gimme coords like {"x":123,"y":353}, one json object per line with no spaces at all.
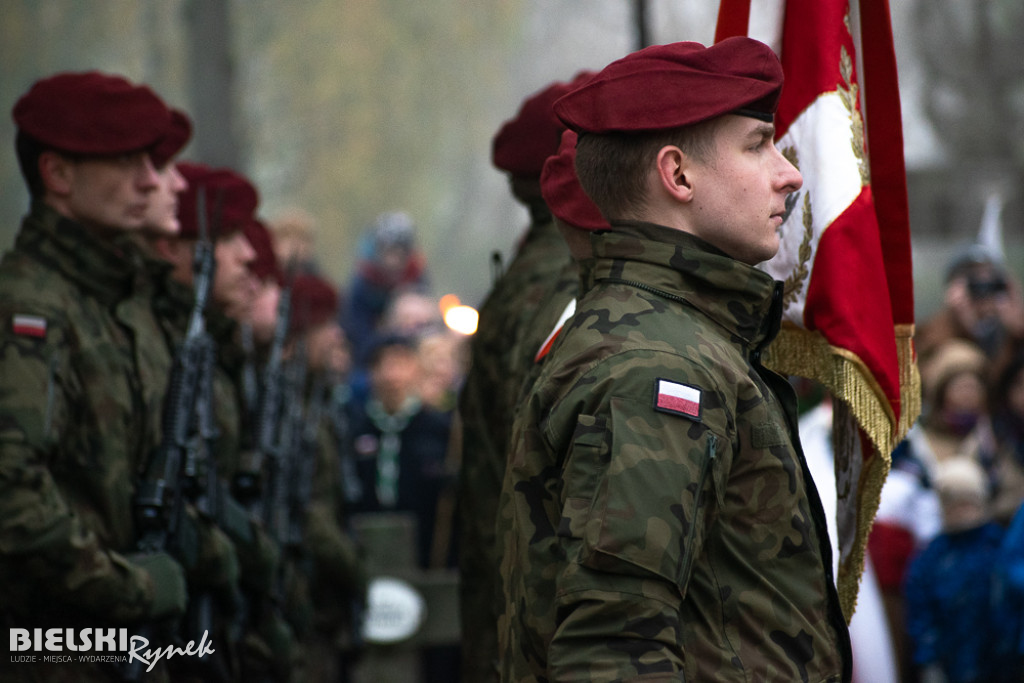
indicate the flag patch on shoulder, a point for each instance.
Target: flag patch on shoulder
{"x":676,"y":398}
{"x":29,"y":325}
{"x":570,"y":308}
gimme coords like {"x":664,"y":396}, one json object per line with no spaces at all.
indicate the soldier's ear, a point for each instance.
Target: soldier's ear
{"x":674,"y":168}
{"x":56,"y":172}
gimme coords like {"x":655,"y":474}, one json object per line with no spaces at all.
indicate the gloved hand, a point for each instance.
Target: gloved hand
{"x":217,"y":562}
{"x":260,"y":560}
{"x":268,"y":649}
{"x":169,"y":596}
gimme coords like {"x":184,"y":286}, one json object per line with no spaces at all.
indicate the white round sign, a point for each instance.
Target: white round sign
{"x":394,"y":611}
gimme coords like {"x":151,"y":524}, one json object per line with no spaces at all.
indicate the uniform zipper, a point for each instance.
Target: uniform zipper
{"x":646,"y":288}
{"x":51,"y":395}
{"x":709,"y":458}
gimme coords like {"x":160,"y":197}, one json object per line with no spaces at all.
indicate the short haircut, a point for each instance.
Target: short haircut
{"x":387,"y":342}
{"x":29,"y":150}
{"x":612,"y":167}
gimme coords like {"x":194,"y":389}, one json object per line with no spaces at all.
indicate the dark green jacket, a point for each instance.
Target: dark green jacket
{"x":658,"y":517}
{"x":80,"y":361}
{"x":486,"y":407}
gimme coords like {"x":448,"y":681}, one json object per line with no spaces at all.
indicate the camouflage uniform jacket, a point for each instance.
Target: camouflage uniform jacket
{"x":337,"y":574}
{"x":78,"y":404}
{"x":543,"y":323}
{"x":173,"y":305}
{"x":486,"y":405}
{"x":662,"y":521}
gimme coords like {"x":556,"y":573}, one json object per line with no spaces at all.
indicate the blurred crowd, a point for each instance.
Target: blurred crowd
{"x":947,"y":546}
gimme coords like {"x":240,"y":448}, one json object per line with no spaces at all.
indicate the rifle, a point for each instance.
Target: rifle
{"x":283,"y":452}
{"x":248,"y":484}
{"x":254,"y":484}
{"x":352,"y":492}
{"x":303,"y":427}
{"x":174,"y":474}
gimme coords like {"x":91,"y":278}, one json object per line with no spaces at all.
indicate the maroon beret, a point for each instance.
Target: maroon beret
{"x":92,"y":113}
{"x":524,"y":142}
{"x":314,"y":301}
{"x":562,"y":191}
{"x":231,"y":200}
{"x":668,"y":86}
{"x":265,"y":266}
{"x":178,"y":134}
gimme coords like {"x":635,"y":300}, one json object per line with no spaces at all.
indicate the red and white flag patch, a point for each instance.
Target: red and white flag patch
{"x":29,"y":325}
{"x":570,"y":308}
{"x":676,"y":398}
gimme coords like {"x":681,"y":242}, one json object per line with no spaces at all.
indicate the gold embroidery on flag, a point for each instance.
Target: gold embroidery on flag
{"x":794,"y":284}
{"x":848,"y":96}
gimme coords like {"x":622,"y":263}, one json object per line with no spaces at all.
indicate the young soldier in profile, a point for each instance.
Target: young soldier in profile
{"x":663,"y":522}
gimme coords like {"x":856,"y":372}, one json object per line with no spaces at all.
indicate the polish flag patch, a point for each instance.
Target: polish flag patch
{"x":29,"y":325}
{"x":676,"y":398}
{"x":570,"y":308}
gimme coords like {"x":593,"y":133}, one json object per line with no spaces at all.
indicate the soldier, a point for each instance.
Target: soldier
{"x":77,"y":338}
{"x":162,"y":211}
{"x":576,"y":218}
{"x":337,"y":581}
{"x":269,"y":279}
{"x":221,"y":518}
{"x":230,"y":203}
{"x":664,"y":525}
{"x":492,"y":384}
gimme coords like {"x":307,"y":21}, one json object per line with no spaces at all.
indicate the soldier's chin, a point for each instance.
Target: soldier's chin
{"x":771,"y":249}
{"x":758,"y":257}
{"x":170,"y":228}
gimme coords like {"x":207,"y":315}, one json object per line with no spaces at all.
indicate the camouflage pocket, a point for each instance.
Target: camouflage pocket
{"x":648,"y":515}
{"x":584,"y":467}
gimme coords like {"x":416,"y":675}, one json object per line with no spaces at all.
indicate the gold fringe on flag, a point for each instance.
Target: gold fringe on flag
{"x":910,"y":381}
{"x":800,"y":352}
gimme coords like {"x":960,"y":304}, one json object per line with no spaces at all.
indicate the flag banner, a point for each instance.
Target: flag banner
{"x":845,"y":245}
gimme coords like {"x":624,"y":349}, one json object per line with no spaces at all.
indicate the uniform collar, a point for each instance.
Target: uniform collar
{"x":176,"y":306}
{"x":105,"y":269}
{"x":681,"y":266}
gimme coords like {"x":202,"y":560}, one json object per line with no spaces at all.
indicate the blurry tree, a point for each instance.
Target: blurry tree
{"x":140,"y":40}
{"x":975,"y":94}
{"x":212,"y":86}
{"x":974,"y":97}
{"x":358,"y":108}
{"x":968,"y":80}
{"x":345,"y":109}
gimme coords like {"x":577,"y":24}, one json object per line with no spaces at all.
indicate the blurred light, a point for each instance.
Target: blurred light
{"x":462,"y":319}
{"x":447,"y":302}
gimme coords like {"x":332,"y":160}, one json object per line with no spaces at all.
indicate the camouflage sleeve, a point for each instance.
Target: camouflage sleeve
{"x":334,"y":552}
{"x":640,"y":484}
{"x":43,"y":541}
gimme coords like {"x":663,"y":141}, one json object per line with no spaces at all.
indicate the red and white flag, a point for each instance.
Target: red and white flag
{"x":28,"y":325}
{"x":681,"y":399}
{"x":845,"y":250}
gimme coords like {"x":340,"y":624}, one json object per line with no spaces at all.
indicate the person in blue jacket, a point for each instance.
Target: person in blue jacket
{"x":952,"y":618}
